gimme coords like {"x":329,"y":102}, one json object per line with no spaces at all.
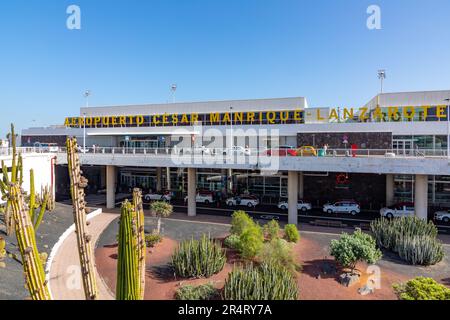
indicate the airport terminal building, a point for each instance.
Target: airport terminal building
{"x":392,"y":149}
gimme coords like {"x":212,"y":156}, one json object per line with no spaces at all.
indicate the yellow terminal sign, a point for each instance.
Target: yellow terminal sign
{"x":364,"y":114}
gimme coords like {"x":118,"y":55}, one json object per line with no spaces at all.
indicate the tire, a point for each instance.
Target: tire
{"x":147,"y":199}
{"x":230,"y":204}
{"x":353,"y":213}
{"x":303,"y":209}
{"x":206,"y":202}
{"x":250,"y":205}
{"x":390,"y":216}
{"x":283,"y":208}
{"x":446,"y":220}
{"x":329,"y":211}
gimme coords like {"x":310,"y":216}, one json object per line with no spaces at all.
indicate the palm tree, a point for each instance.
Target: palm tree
{"x":160,"y":209}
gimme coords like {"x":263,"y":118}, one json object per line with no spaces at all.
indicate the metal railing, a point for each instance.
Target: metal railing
{"x":217,"y":152}
{"x":28,"y":150}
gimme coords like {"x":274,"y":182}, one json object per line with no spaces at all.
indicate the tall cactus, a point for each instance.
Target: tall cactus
{"x":34,"y":205}
{"x":139,"y":210}
{"x":32,"y":264}
{"x":128,"y":285}
{"x":77,"y":185}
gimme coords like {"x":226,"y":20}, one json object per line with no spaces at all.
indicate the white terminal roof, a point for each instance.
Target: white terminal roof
{"x":278,"y":104}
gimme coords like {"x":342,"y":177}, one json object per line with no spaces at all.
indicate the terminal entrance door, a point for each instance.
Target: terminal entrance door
{"x":403,"y":147}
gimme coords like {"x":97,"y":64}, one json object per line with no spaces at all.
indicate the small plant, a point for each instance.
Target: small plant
{"x":266,"y":282}
{"x":2,"y":248}
{"x":271,"y":230}
{"x":202,"y":292}
{"x":160,"y":209}
{"x":412,"y":238}
{"x":240,"y":222}
{"x":152,"y":240}
{"x":291,"y":233}
{"x":352,"y":248}
{"x":233,"y":242}
{"x":422,"y":288}
{"x":251,"y":241}
{"x":198,"y":258}
{"x":278,"y":252}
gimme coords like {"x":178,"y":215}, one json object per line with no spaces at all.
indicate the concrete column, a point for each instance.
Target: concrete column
{"x":293,"y":197}
{"x":192,"y":192}
{"x":158,"y":179}
{"x":111,"y":176}
{"x":169,"y":185}
{"x":230,"y":180}
{"x":389,"y":189}
{"x":421,"y":197}
{"x":301,"y":190}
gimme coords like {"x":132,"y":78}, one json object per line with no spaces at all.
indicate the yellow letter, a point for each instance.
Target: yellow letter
{"x":97,"y":121}
{"x":140,"y":120}
{"x":156,"y":120}
{"x":175,"y":119}
{"x":105,"y":121}
{"x":214,"y":118}
{"x":334,"y":115}
{"x":284,"y":115}
{"x":409,"y":112}
{"x":226,"y":118}
{"x":184,"y":119}
{"x":349,"y":113}
{"x":378,"y":113}
{"x":393,"y":114}
{"x":250,"y":117}
{"x":363,"y":113}
{"x":440,"y":111}
{"x":67,"y":122}
{"x":319,"y":117}
{"x":239,"y":116}
{"x":271,"y":116}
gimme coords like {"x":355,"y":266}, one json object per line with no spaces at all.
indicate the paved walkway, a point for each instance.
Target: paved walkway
{"x":65,"y":277}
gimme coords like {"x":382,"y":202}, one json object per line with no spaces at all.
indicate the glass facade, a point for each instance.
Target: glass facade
{"x":438,"y":190}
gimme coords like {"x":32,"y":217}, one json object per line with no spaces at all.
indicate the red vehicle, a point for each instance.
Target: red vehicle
{"x":282,"y":151}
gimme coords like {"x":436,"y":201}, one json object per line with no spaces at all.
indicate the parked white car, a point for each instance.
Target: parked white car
{"x":245,"y":201}
{"x":301,"y":205}
{"x":399,"y":210}
{"x":238,"y":151}
{"x":443,"y":216}
{"x":205,"y":198}
{"x":167,"y":196}
{"x":342,"y":207}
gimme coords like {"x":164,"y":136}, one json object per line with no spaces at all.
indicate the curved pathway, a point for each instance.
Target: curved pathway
{"x":64,"y":274}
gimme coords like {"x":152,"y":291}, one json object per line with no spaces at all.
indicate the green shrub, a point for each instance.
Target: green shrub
{"x":422,"y":288}
{"x":233,"y":242}
{"x":278,"y":252}
{"x":202,"y":292}
{"x":198,"y":258}
{"x":152,"y":240}
{"x":412,"y":238}
{"x":271,"y":230}
{"x":291,"y":233}
{"x":240,"y":221}
{"x":352,"y":248}
{"x":251,"y":241}
{"x":266,"y":282}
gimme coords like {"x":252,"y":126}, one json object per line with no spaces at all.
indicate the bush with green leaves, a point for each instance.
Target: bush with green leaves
{"x":413,"y":239}
{"x":352,"y":248}
{"x":422,"y":288}
{"x":278,"y":252}
{"x":201,"y":292}
{"x":265,"y":282}
{"x":271,"y":230}
{"x":291,"y":233}
{"x":198,"y":258}
{"x":251,"y":241}
{"x":240,"y":221}
{"x":160,"y":209}
{"x":152,"y":239}
{"x":233,"y":242}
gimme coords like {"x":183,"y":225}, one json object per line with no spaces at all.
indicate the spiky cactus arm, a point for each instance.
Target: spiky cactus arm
{"x":14,"y":155}
{"x":32,"y":203}
{"x":139,"y":210}
{"x":77,"y":185}
{"x":32,"y":264}
{"x":40,"y":216}
{"x":128,"y":278}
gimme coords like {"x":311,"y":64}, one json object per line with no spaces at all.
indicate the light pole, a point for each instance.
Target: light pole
{"x":231,"y":128}
{"x":382,"y":76}
{"x":448,"y":127}
{"x":173,"y":88}
{"x":87,"y":93}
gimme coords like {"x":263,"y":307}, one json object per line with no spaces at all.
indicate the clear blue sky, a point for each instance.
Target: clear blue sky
{"x":130,"y":52}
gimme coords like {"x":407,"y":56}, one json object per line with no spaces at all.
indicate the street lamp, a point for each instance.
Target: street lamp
{"x":86,"y":94}
{"x":231,"y":128}
{"x":173,"y":88}
{"x":382,"y":76}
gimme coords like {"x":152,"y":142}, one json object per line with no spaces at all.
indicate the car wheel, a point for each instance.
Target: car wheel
{"x":446,"y":220}
{"x":250,"y":205}
{"x":389,"y":216}
{"x":353,"y":213}
{"x":283,"y":208}
{"x":206,"y":202}
{"x":304,"y":209}
{"x":329,"y":211}
{"x":147,"y":199}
